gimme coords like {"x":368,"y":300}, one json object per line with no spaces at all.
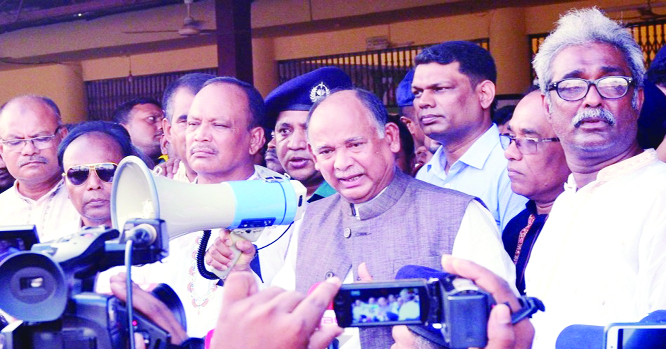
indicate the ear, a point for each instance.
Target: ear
{"x":546,"y":107}
{"x":409,"y":123}
{"x":640,"y":100}
{"x":166,"y":127}
{"x":63,"y":132}
{"x":392,"y":136}
{"x":257,"y":139}
{"x":486,"y":92}
{"x":314,"y":158}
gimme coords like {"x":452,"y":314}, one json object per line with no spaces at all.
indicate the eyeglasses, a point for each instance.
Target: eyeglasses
{"x":574,"y":89}
{"x":525,"y":145}
{"x":78,"y":175}
{"x":41,"y":142}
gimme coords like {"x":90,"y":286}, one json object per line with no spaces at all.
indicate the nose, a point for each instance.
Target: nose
{"x":512,"y":152}
{"x":93,"y":181}
{"x":425,"y":100}
{"x":29,"y":148}
{"x":297,"y":141}
{"x":593,"y":99}
{"x":201,"y":133}
{"x":343,"y":160}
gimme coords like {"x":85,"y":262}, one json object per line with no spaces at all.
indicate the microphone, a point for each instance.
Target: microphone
{"x":581,"y":337}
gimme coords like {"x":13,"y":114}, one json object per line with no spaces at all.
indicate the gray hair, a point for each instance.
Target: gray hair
{"x":580,"y":27}
{"x":369,"y":100}
{"x":193,"y":82}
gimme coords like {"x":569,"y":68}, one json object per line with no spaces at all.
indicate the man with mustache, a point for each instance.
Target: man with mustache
{"x":222,"y":137}
{"x":380,"y":217}
{"x":30,"y":131}
{"x":600,"y":256}
{"x":454,"y":91}
{"x":537,"y":169}
{"x":142,"y":117}
{"x":288,"y":107}
{"x":89,"y":156}
{"x":6,"y":179}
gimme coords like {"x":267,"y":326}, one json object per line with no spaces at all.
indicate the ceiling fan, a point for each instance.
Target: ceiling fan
{"x":645,"y":12}
{"x":191,"y":26}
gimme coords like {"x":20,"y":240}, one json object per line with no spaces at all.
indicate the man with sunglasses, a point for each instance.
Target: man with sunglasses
{"x":89,"y":156}
{"x":600,"y":256}
{"x":537,"y":169}
{"x":30,"y":131}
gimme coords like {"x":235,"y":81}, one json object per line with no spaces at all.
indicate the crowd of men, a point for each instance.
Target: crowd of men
{"x":566,"y":203}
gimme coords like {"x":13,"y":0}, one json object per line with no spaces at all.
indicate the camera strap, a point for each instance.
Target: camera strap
{"x":530,"y":305}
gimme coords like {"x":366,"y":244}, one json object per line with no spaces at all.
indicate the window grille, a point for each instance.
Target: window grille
{"x":105,"y":95}
{"x":378,"y":71}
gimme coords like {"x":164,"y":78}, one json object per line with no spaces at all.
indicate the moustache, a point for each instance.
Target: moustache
{"x":32,"y":159}
{"x":203,"y":148}
{"x":596,"y":113}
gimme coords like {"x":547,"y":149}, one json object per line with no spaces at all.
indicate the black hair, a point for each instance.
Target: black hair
{"x":503,"y":115}
{"x":121,"y":114}
{"x":475,"y":62}
{"x":117,"y":132}
{"x":193,"y":82}
{"x":254,"y":98}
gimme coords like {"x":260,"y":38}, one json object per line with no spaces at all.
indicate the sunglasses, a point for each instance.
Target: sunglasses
{"x":78,"y":175}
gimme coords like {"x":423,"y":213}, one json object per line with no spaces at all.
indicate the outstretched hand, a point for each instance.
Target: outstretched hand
{"x":273,"y":318}
{"x":501,"y":333}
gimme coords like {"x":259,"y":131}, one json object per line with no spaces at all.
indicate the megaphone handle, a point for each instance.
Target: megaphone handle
{"x":222,"y":274}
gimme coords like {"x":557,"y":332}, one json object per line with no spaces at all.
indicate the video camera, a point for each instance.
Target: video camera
{"x":453,"y":305}
{"x":37,"y":286}
{"x":49,"y":288}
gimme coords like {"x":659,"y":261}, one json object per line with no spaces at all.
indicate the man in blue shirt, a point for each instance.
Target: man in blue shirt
{"x":454,"y":92}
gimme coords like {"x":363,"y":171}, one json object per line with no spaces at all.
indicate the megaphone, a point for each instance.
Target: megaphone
{"x":245,"y":207}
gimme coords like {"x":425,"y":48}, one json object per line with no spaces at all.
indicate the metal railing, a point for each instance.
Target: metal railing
{"x":104,"y":96}
{"x":378,"y":71}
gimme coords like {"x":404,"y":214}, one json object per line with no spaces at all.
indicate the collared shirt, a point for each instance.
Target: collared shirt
{"x":600,"y":257}
{"x":480,"y":172}
{"x":528,"y":224}
{"x":53,"y":214}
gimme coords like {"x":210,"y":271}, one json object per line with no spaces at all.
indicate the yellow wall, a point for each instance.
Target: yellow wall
{"x":150,"y":63}
{"x":61,"y":82}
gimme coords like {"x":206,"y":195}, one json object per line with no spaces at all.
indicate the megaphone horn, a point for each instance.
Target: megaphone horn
{"x":185,"y":207}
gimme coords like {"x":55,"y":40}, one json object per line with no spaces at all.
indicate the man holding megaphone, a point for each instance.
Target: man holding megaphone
{"x":223,"y":135}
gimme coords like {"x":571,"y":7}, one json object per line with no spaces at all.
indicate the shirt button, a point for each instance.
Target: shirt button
{"x":347,"y":232}
{"x":329,"y":274}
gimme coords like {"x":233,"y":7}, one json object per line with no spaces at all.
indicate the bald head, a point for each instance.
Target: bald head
{"x":33,"y":163}
{"x":28,"y":101}
{"x":537,"y":167}
{"x":352,"y":149}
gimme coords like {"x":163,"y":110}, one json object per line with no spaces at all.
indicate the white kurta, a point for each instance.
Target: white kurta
{"x":53,"y":214}
{"x":601,"y":257}
{"x":202,"y":298}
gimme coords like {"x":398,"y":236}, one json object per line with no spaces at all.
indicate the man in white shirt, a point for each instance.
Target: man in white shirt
{"x":600,"y":256}
{"x":30,"y":131}
{"x":454,"y":90}
{"x":223,"y":135}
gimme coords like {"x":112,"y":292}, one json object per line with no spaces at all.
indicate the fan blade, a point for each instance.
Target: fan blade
{"x":149,"y":31}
